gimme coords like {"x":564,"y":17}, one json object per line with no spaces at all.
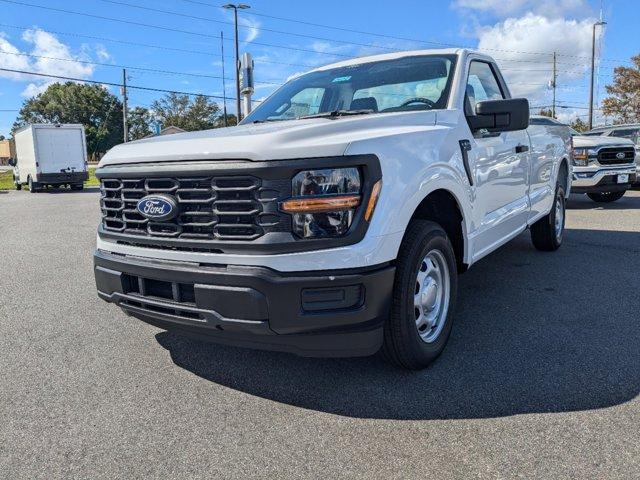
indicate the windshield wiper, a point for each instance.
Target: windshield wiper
{"x":338,"y":113}
{"x":266,"y":120}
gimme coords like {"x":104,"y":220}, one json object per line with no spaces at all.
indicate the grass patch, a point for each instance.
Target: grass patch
{"x":6,"y":180}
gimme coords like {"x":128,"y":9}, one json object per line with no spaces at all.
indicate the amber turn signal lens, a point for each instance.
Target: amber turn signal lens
{"x":318,"y":205}
{"x":373,"y":200}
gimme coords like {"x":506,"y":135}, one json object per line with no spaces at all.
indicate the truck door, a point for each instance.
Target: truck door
{"x":499,"y":164}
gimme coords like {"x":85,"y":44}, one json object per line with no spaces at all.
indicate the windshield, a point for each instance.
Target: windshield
{"x":403,"y":84}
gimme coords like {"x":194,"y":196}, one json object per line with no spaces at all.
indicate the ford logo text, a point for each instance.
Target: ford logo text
{"x":158,"y":207}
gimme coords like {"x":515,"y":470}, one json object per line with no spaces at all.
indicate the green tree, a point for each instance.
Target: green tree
{"x":624,"y":101}
{"x":139,"y":123}
{"x":91,"y":105}
{"x":579,"y":125}
{"x":180,"y":111}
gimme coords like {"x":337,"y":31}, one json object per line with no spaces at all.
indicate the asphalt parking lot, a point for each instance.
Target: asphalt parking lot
{"x":540,"y":378}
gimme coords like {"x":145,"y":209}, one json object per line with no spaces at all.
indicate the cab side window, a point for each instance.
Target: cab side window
{"x":482,"y":85}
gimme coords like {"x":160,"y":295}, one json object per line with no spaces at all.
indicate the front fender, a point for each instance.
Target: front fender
{"x":413,"y":166}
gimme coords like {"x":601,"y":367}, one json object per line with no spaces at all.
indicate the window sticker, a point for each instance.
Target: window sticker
{"x":341,"y":79}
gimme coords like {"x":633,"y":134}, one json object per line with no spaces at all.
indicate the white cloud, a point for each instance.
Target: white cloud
{"x":503,"y":9}
{"x":252,"y":29}
{"x":529,"y":73}
{"x":50,"y":56}
{"x":102,"y":53}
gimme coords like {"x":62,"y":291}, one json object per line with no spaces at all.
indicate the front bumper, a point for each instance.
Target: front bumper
{"x":322,"y":314}
{"x":587,"y":180}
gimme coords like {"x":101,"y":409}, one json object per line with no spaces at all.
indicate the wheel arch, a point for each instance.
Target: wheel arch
{"x":563,"y":174}
{"x":442,"y":206}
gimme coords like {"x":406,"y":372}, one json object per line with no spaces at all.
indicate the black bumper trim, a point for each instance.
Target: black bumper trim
{"x":62,"y":178}
{"x":257,"y":308}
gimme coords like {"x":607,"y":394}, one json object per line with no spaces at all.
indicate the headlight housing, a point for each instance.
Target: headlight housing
{"x":582,"y":156}
{"x":324,"y":202}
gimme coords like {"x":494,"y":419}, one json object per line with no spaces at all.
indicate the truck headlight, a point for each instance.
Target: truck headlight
{"x":582,"y":156}
{"x":324,"y":202}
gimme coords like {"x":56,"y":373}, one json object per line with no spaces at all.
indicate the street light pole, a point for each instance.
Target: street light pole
{"x":235,"y":8}
{"x":593,"y":68}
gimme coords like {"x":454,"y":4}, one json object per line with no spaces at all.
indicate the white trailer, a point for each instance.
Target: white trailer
{"x":50,"y":154}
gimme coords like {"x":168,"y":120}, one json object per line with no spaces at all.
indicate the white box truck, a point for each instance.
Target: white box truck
{"x":50,"y":155}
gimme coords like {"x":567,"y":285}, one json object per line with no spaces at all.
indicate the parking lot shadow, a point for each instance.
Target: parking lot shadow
{"x":535,"y":332}
{"x":582,"y":202}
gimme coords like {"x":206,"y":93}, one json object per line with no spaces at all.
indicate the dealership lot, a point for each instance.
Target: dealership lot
{"x":540,"y":379}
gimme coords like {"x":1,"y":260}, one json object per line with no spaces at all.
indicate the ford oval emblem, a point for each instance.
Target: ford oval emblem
{"x":620,"y":155}
{"x":158,"y":207}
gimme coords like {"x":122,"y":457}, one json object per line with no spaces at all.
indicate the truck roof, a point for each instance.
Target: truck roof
{"x":48,"y":125}
{"x":402,"y":54}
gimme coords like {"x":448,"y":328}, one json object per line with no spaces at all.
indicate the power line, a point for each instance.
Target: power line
{"x":188,"y":32}
{"x":111,"y":84}
{"x":395,"y":37}
{"x":262,"y":29}
{"x":148,"y":45}
{"x":129,"y":67}
{"x":159,"y":27}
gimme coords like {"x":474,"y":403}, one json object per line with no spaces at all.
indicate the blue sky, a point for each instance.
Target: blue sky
{"x":521,"y":34}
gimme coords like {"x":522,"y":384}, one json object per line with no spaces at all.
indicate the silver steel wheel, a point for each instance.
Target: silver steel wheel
{"x":559,"y":226}
{"x":431,"y":296}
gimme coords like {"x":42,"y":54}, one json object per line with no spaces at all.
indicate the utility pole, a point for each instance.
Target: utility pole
{"x":224,"y":86}
{"x":555,"y":78}
{"x":125,"y":110}
{"x":240,"y":6}
{"x":593,"y":68}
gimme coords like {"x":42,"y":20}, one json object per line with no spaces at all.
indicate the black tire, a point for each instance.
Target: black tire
{"x":17,"y":184}
{"x":606,"y":197}
{"x":403,"y":343}
{"x":32,"y":185}
{"x":544,"y":234}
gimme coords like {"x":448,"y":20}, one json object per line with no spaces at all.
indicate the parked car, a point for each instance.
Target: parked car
{"x":335,"y":219}
{"x":630,"y":131}
{"x":50,"y":155}
{"x":603,"y":168}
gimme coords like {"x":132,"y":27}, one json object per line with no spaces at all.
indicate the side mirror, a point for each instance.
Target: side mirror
{"x":501,"y":115}
{"x":12,"y":162}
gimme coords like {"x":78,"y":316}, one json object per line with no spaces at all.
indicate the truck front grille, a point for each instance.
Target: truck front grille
{"x":209,"y":208}
{"x":609,"y":156}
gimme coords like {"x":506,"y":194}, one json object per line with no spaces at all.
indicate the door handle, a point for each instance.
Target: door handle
{"x":522,"y":148}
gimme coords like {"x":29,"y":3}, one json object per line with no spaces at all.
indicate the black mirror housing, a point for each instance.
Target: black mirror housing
{"x":12,"y":162}
{"x":501,"y":115}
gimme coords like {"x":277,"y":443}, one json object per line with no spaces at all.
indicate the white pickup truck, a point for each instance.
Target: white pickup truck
{"x":333,"y":221}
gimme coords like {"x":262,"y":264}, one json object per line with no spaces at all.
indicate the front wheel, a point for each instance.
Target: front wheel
{"x":606,"y":197}
{"x":424,"y":295}
{"x":547,"y":233}
{"x":17,"y":184}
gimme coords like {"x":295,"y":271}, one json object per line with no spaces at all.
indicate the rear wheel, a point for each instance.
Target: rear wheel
{"x":424,"y":295}
{"x":606,"y":197}
{"x":32,"y":185}
{"x":547,"y":233}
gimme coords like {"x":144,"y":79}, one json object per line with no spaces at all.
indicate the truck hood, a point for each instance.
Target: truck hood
{"x":317,"y":137}
{"x":580,"y":141}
